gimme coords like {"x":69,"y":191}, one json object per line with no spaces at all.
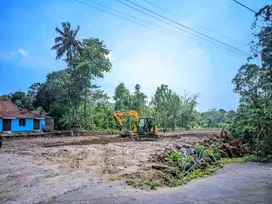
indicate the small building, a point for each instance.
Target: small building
{"x":16,"y":119}
{"x":48,"y":124}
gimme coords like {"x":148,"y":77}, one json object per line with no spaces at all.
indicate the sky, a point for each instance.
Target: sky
{"x":139,"y":54}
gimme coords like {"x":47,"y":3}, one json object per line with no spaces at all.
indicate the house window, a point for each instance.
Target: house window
{"x":22,"y":122}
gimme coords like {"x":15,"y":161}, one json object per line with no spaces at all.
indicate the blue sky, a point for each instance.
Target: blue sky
{"x":139,"y":54}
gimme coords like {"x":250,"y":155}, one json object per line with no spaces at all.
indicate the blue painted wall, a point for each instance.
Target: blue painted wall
{"x":1,"y":125}
{"x":41,"y":124}
{"x":29,"y":125}
{"x":16,"y":128}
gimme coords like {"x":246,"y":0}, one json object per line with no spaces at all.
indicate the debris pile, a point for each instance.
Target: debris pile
{"x":226,"y":145}
{"x":229,"y":147}
{"x":177,"y":165}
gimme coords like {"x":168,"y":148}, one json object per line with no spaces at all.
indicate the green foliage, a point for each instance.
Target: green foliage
{"x":166,"y":179}
{"x":216,"y":150}
{"x":66,"y":43}
{"x":244,"y":159}
{"x":19,"y":98}
{"x":253,"y":83}
{"x":172,"y":110}
{"x":114,"y":178}
{"x":69,"y":95}
{"x":153,"y":184}
{"x":176,"y":158}
{"x":208,"y":153}
{"x":122,"y":98}
{"x":199,"y":148}
{"x":140,"y":183}
{"x":22,"y":99}
{"x":139,"y":101}
{"x":216,"y":118}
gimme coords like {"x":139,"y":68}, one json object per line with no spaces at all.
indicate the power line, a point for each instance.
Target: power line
{"x":162,"y":30}
{"x":161,"y":8}
{"x":246,"y":7}
{"x":186,"y":27}
{"x":103,"y":10}
{"x":177,"y":27}
{"x":243,"y":5}
{"x":126,"y":14}
{"x":124,"y":18}
{"x":154,"y":5}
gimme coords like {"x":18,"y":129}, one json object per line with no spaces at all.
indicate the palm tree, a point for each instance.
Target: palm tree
{"x":66,"y":43}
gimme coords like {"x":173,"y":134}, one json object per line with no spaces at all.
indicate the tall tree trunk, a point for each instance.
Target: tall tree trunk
{"x":174,"y":122}
{"x":70,"y":58}
{"x":85,"y":109}
{"x":257,"y":142}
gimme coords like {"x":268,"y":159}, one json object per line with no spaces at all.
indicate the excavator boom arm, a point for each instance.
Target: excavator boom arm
{"x":117,"y":116}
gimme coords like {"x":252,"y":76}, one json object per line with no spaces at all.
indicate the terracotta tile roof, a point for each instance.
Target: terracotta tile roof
{"x":9,"y":109}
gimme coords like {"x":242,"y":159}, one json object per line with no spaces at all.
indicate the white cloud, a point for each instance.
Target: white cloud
{"x":20,"y":52}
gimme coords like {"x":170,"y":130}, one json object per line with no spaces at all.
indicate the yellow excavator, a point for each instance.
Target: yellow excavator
{"x":143,"y":128}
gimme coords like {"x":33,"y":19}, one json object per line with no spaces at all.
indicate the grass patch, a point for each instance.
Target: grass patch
{"x":143,"y":182}
{"x":166,"y":178}
{"x":170,"y":177}
{"x":114,"y":178}
{"x":243,"y":159}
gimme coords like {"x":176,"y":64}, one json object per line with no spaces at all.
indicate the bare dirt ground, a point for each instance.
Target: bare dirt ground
{"x":35,"y":170}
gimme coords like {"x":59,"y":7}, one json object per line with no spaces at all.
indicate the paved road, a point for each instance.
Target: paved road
{"x":245,"y":183}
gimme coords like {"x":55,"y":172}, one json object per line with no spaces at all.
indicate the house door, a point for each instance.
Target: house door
{"x":36,"y":124}
{"x":6,"y":124}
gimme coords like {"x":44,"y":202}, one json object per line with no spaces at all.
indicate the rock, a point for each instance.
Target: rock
{"x":159,"y":166}
{"x":178,"y":147}
{"x":187,"y":146}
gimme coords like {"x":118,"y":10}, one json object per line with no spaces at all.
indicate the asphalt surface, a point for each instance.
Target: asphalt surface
{"x":244,"y":183}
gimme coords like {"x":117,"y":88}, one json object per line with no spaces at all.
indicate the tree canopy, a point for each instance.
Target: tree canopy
{"x":253,"y":84}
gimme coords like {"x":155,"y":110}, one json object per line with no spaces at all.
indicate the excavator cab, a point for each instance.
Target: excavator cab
{"x":145,"y":126}
{"x":147,"y":129}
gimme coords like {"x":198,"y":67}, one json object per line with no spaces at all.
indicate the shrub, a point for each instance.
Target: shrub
{"x":176,"y":158}
{"x":216,"y":150}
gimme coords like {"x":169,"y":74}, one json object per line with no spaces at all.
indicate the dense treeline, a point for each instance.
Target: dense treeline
{"x":216,"y":118}
{"x":169,"y":109}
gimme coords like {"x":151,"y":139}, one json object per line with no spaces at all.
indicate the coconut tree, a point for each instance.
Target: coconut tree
{"x":66,"y":43}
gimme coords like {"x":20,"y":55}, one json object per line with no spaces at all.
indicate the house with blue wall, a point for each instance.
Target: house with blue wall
{"x":16,"y":119}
